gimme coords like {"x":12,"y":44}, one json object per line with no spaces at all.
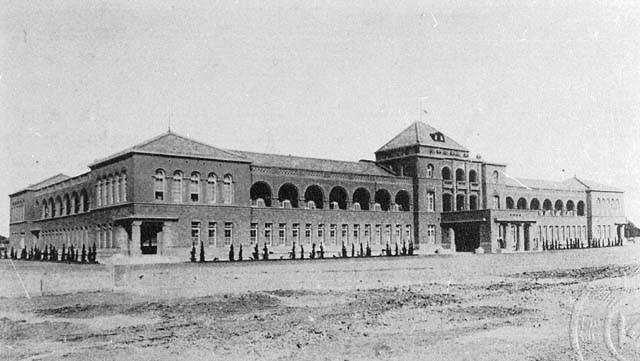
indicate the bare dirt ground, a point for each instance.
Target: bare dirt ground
{"x":501,"y":307}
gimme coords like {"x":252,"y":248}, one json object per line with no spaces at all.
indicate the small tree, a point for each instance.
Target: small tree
{"x":301,"y":251}
{"x":361,"y":250}
{"x":397,"y":250}
{"x":240,"y":253}
{"x":23,"y":254}
{"x":256,"y":253}
{"x":404,"y":248}
{"x":54,"y":255}
{"x":353,"y":250}
{"x":63,"y":256}
{"x":5,"y":254}
{"x":410,"y":248}
{"x":265,"y":252}
{"x":321,"y":250}
{"x":344,"y":250}
{"x":232,"y":254}
{"x":312,"y":254}
{"x":388,"y":249}
{"x":77,"y":258}
{"x":193,"y":251}
{"x":83,"y":257}
{"x":95,"y":254}
{"x":13,"y":253}
{"x":292,"y":254}
{"x":368,"y":254}
{"x":201,"y":251}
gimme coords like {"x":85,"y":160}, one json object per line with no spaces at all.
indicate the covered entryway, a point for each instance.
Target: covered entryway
{"x":145,"y":235}
{"x":149,"y":237}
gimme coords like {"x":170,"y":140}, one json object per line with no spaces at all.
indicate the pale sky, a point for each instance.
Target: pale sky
{"x":540,"y":86}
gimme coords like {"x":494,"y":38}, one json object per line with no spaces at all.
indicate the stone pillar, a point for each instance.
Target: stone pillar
{"x":520,"y":240}
{"x":134,"y":242}
{"x":451,"y":235}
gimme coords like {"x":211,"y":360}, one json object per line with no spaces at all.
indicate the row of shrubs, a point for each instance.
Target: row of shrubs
{"x":52,"y":254}
{"x":255,"y":256}
{"x":576,"y":244}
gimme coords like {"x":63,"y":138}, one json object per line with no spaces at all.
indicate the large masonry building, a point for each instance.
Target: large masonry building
{"x":163,"y":195}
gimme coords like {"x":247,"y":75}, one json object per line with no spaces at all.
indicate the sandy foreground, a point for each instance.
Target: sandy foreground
{"x":566,"y":305}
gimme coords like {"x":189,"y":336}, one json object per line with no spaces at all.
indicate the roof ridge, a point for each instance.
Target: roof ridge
{"x":191,"y":140}
{"x":304,"y":157}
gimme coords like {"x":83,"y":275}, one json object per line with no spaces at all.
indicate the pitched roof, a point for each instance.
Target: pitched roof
{"x":314,"y":164}
{"x":566,"y":185}
{"x":420,"y":133}
{"x":170,"y":143}
{"x":45,"y":183}
{"x":595,"y":186}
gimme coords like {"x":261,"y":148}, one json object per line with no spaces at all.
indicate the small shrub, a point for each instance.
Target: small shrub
{"x":201,"y":251}
{"x":83,"y":257}
{"x":240,"y":253}
{"x":321,"y":251}
{"x":193,"y":252}
{"x":265,"y":252}
{"x":232,"y":254}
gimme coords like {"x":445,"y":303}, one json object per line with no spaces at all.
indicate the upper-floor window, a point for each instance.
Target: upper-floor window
{"x":430,"y":171}
{"x":176,"y":187}
{"x":496,"y":202}
{"x":212,"y":191}
{"x":437,"y":136}
{"x":123,"y":187}
{"x":116,"y":189}
{"x":431,"y":205}
{"x":194,"y":187}
{"x":495,"y":176}
{"x":228,"y":189}
{"x":159,"y":185}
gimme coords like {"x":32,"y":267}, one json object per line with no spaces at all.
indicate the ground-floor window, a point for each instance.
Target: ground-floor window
{"x":387,"y":233}
{"x":344,"y":235}
{"x":308,"y":229}
{"x":407,"y":233}
{"x":253,"y":233}
{"x":431,"y":233}
{"x":367,"y":233}
{"x":321,"y":233}
{"x":295,"y":232}
{"x":282,"y":233}
{"x":333,"y":230}
{"x":212,"y":230}
{"x":378,"y":236}
{"x":398,"y":235}
{"x":195,"y":233}
{"x":228,"y":233}
{"x":267,"y":233}
{"x":356,"y":233}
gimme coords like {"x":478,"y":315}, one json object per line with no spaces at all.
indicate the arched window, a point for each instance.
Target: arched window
{"x":314,"y":194}
{"x":447,"y":202}
{"x":194,"y":187}
{"x":116,"y":188}
{"x":212,"y":188}
{"x":176,"y":187}
{"x":52,"y":207}
{"x":429,"y":170}
{"x":403,"y":200}
{"x":580,"y":208}
{"x":362,"y":197}
{"x":446,"y":173}
{"x":339,"y":196}
{"x":59,"y":207}
{"x":99,"y":192}
{"x":76,"y":202}
{"x":159,"y":185}
{"x":473,"y":176}
{"x":228,"y":189}
{"x":535,"y":204}
{"x":570,"y":206}
{"x":84,"y":201}
{"x":260,"y":190}
{"x":288,"y":192}
{"x":383,"y":198}
{"x":547,"y":205}
{"x":111,"y":189}
{"x":559,"y":206}
{"x":67,"y":205}
{"x":495,"y":176}
{"x":522,"y":203}
{"x":510,"y":204}
{"x":460,"y":202}
{"x":460,"y":175}
{"x":473,"y":202}
{"x":123,"y":187}
{"x":45,"y":209}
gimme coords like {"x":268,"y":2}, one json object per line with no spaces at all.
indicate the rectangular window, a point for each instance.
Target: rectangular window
{"x":398,"y":236}
{"x":253,"y":233}
{"x":295,"y":233}
{"x":431,"y":207}
{"x":496,"y":202}
{"x":308,"y":228}
{"x":407,"y":233}
{"x":356,"y":233}
{"x":159,"y":183}
{"x":194,"y":189}
{"x":344,"y":235}
{"x":431,"y":234}
{"x":378,"y":235}
{"x":367,"y":233}
{"x":267,"y":233}
{"x":212,"y":230}
{"x":387,"y":233}
{"x":333,"y":230}
{"x":321,"y":233}
{"x":195,"y":233}
{"x":282,"y":233}
{"x":228,"y":233}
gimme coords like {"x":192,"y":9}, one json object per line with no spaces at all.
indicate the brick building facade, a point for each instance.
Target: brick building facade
{"x":161,"y":196}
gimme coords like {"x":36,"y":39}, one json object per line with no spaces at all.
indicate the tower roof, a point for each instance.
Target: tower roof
{"x":420,"y":133}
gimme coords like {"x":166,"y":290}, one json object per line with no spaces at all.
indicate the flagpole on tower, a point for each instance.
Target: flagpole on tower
{"x":422,"y":109}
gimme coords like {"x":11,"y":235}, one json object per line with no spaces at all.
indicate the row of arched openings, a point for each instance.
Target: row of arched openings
{"x":313,"y":197}
{"x":547,"y":205}
{"x":64,"y":205}
{"x":460,"y":205}
{"x":461,"y":175}
{"x":196,"y":193}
